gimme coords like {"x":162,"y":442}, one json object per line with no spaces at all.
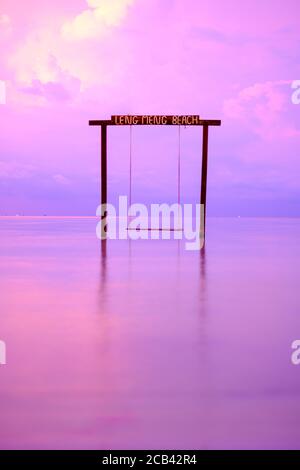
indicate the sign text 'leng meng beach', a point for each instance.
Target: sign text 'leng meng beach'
{"x":152,"y":120}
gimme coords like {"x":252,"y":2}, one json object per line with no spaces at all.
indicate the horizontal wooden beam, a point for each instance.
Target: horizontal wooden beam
{"x":169,"y":122}
{"x":101,"y":122}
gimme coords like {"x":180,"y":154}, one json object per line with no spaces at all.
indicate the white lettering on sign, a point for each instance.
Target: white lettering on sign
{"x":156,"y":120}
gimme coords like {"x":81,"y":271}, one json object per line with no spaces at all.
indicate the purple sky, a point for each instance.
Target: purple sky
{"x":67,"y":62}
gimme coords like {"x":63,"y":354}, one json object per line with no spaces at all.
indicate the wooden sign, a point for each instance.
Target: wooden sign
{"x":155,"y":120}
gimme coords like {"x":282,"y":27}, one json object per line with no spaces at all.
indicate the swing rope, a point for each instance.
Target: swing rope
{"x":179,"y":166}
{"x":130,"y":167}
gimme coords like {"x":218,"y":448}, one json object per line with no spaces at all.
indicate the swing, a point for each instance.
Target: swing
{"x":178,"y":182}
{"x":147,"y":120}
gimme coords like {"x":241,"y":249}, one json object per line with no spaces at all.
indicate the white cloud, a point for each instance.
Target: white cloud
{"x":263,"y":107}
{"x":42,"y":69}
{"x":46,"y":65}
{"x":94,"y":21}
{"x":269,"y":91}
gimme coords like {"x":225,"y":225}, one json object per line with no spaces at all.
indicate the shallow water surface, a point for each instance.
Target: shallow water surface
{"x":141,"y":344}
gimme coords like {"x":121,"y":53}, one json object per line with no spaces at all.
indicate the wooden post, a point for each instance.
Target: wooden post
{"x":103,"y":164}
{"x":103,"y":175}
{"x":204,"y":179}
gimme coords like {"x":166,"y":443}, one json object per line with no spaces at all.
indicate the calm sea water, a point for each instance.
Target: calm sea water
{"x":142,"y":344}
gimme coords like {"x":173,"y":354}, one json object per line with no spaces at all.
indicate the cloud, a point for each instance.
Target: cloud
{"x":46,"y":66}
{"x":5,"y":25}
{"x":61,"y":179}
{"x":39,"y":74}
{"x":263,"y":107}
{"x":94,"y":21}
{"x":269,"y":91}
{"x":4,"y":20}
{"x":15,"y":170}
{"x":54,"y":91}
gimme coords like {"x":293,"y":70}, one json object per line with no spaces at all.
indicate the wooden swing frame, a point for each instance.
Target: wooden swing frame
{"x":156,"y":120}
